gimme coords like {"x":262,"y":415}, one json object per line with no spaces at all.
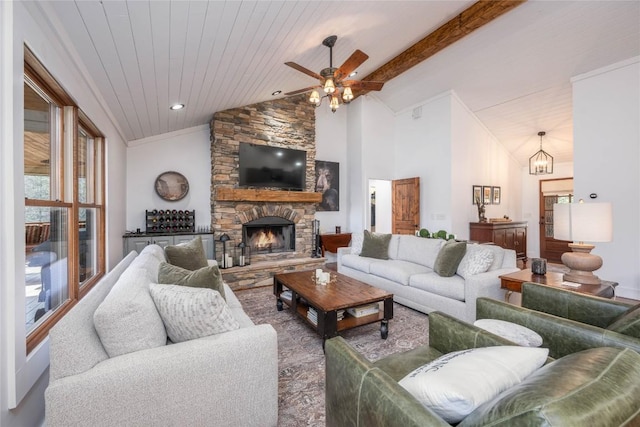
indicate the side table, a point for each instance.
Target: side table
{"x":331,"y":242}
{"x":513,"y":283}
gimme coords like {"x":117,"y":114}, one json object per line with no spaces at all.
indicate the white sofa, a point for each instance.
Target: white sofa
{"x":226,"y":379}
{"x":409,"y":275}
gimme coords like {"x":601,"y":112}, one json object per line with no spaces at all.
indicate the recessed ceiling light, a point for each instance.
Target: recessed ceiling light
{"x":177,"y":107}
{"x":353,"y":74}
{"x":277,"y":92}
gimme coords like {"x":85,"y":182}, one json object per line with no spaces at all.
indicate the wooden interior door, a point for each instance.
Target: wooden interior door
{"x":550,"y":248}
{"x":405,"y":201}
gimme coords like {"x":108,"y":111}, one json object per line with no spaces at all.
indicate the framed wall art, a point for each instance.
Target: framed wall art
{"x":476,"y":194}
{"x":495,"y":195}
{"x":486,"y":195}
{"x":171,"y":186}
{"x":328,"y":183}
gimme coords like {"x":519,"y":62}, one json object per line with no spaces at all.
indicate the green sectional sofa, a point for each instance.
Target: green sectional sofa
{"x":575,"y":390}
{"x":568,"y":321}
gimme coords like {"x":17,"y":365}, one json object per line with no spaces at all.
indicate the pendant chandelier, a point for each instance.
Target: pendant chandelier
{"x":541,"y":163}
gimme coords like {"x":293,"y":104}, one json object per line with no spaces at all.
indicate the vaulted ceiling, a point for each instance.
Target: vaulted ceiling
{"x":513,"y":73}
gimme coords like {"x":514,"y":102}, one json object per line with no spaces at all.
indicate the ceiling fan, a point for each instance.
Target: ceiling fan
{"x":332,"y":80}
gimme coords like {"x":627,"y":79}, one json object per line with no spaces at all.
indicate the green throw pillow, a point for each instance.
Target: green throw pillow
{"x":449,"y":258}
{"x":628,"y":323}
{"x":207,"y":277}
{"x":375,"y":245}
{"x":188,"y":255}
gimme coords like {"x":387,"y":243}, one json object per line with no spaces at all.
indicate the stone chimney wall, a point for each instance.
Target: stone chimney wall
{"x":288,"y":123}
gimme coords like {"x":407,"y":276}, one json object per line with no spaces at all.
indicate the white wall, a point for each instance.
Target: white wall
{"x":478,"y":158}
{"x":331,"y":146}
{"x":370,"y":154}
{"x":531,"y":202}
{"x":24,"y":378}
{"x":188,"y":152}
{"x":444,"y":144}
{"x":606,"y":128}
{"x":423,"y":149}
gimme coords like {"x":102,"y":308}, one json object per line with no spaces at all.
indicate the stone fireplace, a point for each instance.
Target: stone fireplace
{"x":289,"y":123}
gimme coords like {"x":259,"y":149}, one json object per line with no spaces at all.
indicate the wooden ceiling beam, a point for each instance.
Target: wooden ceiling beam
{"x":472,"y":18}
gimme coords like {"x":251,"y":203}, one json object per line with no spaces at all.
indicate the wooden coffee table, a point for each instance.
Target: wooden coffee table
{"x":341,"y":293}
{"x":513,"y":283}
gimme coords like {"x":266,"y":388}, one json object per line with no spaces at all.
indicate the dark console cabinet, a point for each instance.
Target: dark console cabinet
{"x":509,"y":235}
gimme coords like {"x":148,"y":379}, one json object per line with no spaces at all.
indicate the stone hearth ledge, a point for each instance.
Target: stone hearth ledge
{"x":261,"y":273}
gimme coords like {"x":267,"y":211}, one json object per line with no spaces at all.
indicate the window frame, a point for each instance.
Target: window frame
{"x":66,"y":197}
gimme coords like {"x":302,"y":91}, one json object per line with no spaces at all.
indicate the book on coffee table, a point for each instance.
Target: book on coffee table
{"x":364,"y":310}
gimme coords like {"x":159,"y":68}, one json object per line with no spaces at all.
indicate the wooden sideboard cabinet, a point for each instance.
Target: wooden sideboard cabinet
{"x":137,"y":242}
{"x":509,"y":235}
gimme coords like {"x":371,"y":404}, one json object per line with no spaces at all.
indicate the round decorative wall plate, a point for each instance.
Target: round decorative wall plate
{"x":171,"y":186}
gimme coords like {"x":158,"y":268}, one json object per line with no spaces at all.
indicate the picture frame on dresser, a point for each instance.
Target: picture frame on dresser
{"x":495,"y":195}
{"x":486,"y":195}
{"x":476,"y":194}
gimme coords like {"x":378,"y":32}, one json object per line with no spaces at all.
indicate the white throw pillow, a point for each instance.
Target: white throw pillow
{"x":476,"y":260}
{"x":455,"y":384}
{"x":356,"y":243}
{"x":190,"y":313}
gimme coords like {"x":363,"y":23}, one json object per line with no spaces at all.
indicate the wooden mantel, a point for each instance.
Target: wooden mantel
{"x":249,"y":195}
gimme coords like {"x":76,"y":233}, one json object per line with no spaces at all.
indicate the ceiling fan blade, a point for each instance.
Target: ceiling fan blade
{"x":363,"y":85}
{"x":304,"y":70}
{"x":306,"y":89}
{"x":354,"y":61}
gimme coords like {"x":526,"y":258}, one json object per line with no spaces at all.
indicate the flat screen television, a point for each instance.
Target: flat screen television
{"x":272,"y":167}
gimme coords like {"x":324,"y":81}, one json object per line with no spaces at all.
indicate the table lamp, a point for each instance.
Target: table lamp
{"x":582,"y":222}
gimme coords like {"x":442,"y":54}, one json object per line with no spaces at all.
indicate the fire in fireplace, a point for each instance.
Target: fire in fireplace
{"x":269,"y":235}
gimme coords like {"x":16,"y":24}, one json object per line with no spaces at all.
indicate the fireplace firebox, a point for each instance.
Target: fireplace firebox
{"x":269,"y":234}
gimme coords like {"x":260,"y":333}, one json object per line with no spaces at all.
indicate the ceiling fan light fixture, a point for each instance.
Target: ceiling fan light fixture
{"x":334,"y":104}
{"x":347,"y":95}
{"x":541,"y":163}
{"x":329,"y":86}
{"x":314,"y":98}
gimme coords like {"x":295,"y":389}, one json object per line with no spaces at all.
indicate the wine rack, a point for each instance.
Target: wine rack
{"x":170,"y":221}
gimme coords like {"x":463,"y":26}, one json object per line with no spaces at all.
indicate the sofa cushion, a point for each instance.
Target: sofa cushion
{"x":207,"y":277}
{"x":449,"y":287}
{"x":397,"y":271}
{"x":375,"y":245}
{"x":628,"y":323}
{"x":457,"y":383}
{"x":449,"y":258}
{"x":477,"y":260}
{"x":154,"y":250}
{"x":358,"y":263}
{"x":595,"y":387}
{"x":419,"y":250}
{"x":190,"y":313}
{"x":127,"y":319}
{"x":188,"y":255}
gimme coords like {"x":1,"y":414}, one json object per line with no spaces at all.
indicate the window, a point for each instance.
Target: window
{"x":64,"y":205}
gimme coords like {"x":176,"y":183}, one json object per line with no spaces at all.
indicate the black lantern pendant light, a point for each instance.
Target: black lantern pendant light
{"x":541,"y":163}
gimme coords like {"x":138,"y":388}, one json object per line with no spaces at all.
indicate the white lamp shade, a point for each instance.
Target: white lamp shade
{"x":583,"y":222}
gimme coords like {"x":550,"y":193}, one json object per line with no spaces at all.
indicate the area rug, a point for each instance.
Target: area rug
{"x":301,"y":358}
